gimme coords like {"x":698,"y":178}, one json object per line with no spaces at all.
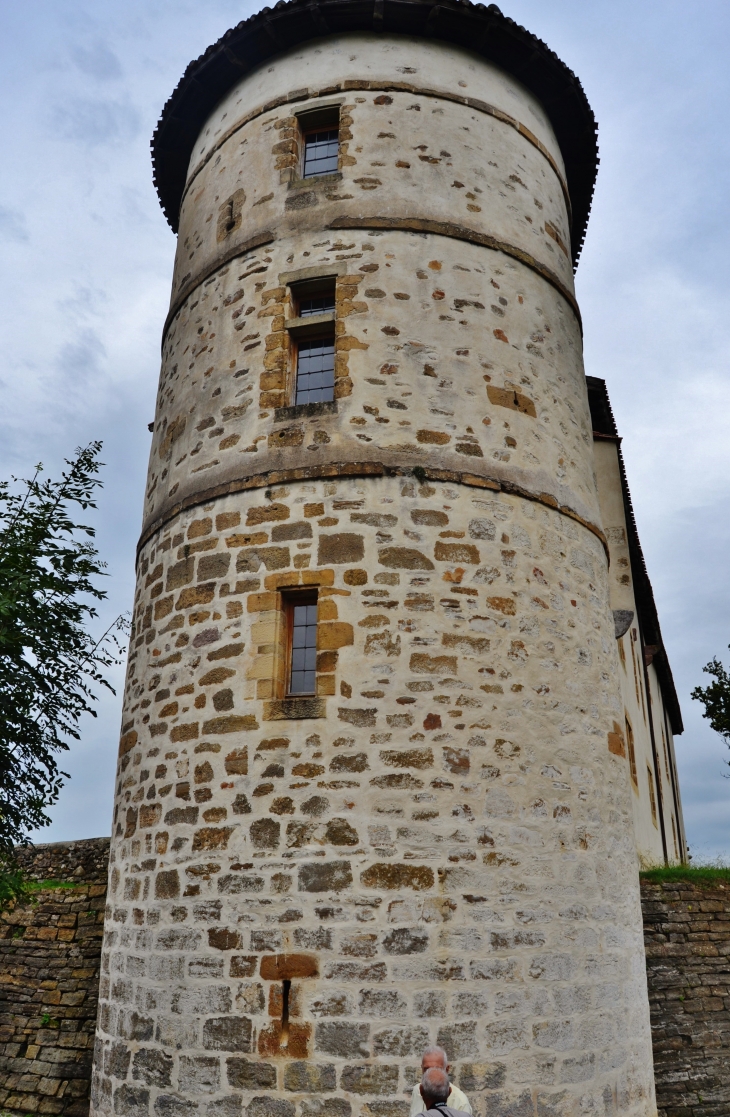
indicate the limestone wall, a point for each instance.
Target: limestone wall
{"x":50,"y":951}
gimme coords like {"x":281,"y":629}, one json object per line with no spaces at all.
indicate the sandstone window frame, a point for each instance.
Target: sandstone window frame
{"x":269,"y":666}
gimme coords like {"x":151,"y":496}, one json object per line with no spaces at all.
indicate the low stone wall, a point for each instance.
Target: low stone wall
{"x":687,"y":937}
{"x":50,"y":950}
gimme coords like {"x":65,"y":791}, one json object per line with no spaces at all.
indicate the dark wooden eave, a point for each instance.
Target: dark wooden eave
{"x":475,"y":27}
{"x":604,"y":426}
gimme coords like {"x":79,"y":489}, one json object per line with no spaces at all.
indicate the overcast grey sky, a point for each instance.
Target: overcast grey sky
{"x":87,"y":259}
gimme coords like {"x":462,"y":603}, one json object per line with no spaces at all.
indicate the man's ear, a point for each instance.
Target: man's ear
{"x":422,"y":1093}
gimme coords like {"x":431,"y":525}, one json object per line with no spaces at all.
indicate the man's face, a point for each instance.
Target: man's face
{"x":434,"y":1060}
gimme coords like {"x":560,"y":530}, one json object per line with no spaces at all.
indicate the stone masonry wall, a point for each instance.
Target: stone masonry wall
{"x":687,"y":935}
{"x":436,"y":847}
{"x":49,"y":981}
{"x":436,"y":844}
{"x":57,"y":942}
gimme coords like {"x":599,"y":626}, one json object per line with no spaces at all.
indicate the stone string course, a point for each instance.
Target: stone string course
{"x":687,"y":936}
{"x":50,"y":952}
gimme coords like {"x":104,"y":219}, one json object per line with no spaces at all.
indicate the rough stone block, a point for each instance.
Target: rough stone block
{"x":198,"y":1074}
{"x":330,"y":876}
{"x":131,"y":1101}
{"x":227,"y":1033}
{"x":343,"y":1039}
{"x":375,"y":1079}
{"x":309,"y":1078}
{"x":152,"y":1067}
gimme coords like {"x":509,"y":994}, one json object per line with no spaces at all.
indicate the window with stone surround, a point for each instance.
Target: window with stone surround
{"x":279,"y":631}
{"x":301,"y":636}
{"x":312,"y":333}
{"x":320,"y":144}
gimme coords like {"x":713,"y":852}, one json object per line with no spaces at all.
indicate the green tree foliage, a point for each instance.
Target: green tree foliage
{"x":716,"y":699}
{"x":50,"y":665}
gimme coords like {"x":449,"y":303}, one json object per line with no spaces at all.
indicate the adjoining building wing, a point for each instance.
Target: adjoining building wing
{"x":652,"y":716}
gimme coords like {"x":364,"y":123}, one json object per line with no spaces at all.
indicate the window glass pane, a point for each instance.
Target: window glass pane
{"x":315,"y":376}
{"x":319,"y":305}
{"x":304,"y":649}
{"x":320,"y":152}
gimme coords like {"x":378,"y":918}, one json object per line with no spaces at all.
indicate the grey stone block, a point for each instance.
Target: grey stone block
{"x":199,"y":1074}
{"x":309,"y":1078}
{"x":131,"y":1101}
{"x":343,"y":1039}
{"x":152,"y":1066}
{"x":248,"y":1074}
{"x":401,"y":1041}
{"x":227,"y":1033}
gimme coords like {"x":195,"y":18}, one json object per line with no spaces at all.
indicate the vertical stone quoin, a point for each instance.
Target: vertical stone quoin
{"x":425,"y":836}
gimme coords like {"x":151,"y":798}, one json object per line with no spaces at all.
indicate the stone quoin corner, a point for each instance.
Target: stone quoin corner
{"x":398,"y":721}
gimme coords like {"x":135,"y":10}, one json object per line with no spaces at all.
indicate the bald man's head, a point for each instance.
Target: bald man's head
{"x":435,"y":1086}
{"x":434,"y":1057}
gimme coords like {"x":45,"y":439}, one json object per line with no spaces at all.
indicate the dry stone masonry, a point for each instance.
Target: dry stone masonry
{"x":50,"y":949}
{"x":435,"y":844}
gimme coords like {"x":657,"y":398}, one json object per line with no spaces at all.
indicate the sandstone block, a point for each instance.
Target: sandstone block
{"x":343,"y":1039}
{"x":280,"y":966}
{"x":344,"y":547}
{"x":131,"y":1101}
{"x":393,"y":876}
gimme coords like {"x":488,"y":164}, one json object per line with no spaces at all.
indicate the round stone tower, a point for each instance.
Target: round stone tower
{"x":372,"y":791}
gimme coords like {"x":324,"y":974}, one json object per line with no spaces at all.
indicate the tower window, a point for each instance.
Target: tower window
{"x":321,"y":152}
{"x":316,"y":370}
{"x":313,"y":333}
{"x":321,"y":303}
{"x":302,"y":620}
{"x":320,"y":130}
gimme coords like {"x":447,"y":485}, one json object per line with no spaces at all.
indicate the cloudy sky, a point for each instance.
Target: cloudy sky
{"x":87,"y":259}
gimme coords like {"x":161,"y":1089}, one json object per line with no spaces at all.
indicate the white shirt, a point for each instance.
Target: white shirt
{"x":456,"y":1100}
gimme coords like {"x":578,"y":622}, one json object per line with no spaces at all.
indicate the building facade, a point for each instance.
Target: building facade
{"x":651,"y":709}
{"x":374,"y":788}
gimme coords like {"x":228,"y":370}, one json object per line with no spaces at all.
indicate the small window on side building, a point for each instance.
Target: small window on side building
{"x":632,"y":754}
{"x":301,"y":673}
{"x":652,"y":795}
